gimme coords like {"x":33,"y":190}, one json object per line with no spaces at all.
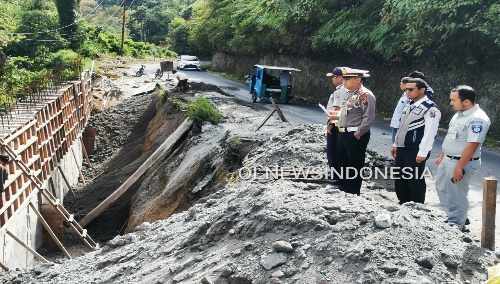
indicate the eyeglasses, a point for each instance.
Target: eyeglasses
{"x":410,"y":89}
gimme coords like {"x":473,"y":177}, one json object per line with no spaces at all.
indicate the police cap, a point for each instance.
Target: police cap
{"x":354,"y":73}
{"x":337,"y":72}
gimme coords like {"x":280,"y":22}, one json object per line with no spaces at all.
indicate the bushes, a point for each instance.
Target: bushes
{"x":200,"y":111}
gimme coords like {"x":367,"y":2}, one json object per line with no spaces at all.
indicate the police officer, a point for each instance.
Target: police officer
{"x":334,"y":103}
{"x":413,"y":142}
{"x":461,"y":154}
{"x":356,"y":116}
{"x":419,"y":75}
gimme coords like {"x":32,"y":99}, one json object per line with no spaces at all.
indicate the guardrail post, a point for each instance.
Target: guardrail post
{"x":489,"y":211}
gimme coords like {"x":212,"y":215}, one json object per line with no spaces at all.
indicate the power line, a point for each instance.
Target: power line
{"x":74,"y":23}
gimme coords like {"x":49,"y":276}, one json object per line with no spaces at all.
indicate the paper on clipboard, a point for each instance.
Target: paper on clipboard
{"x":324,"y":109}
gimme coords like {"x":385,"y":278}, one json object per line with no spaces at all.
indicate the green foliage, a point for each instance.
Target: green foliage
{"x":36,"y":25}
{"x":201,"y":110}
{"x":68,"y":19}
{"x":206,"y":67}
{"x":180,"y":104}
{"x":393,"y":29}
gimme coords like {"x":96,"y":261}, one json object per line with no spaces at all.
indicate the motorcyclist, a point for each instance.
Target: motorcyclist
{"x":141,"y":71}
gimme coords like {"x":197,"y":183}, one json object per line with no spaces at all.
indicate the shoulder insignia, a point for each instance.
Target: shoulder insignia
{"x":363,"y":98}
{"x":432,"y":113}
{"x":477,"y":128}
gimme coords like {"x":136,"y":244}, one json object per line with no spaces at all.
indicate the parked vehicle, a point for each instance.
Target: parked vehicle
{"x":188,"y":62}
{"x":271,"y":82}
{"x":141,"y":71}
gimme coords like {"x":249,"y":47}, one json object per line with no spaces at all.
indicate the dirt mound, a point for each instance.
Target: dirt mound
{"x":279,"y":231}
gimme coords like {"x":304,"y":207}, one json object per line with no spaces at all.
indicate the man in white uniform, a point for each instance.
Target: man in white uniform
{"x":461,"y":154}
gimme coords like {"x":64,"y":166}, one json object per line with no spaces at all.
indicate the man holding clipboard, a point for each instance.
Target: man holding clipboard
{"x":355,"y":119}
{"x":334,"y":103}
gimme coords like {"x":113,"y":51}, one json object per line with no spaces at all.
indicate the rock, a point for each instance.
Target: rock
{"x":383,"y":221}
{"x":282,"y":246}
{"x":450,"y":261}
{"x":143,"y":227}
{"x":277,"y":274}
{"x":300,"y":253}
{"x":362,"y":219}
{"x":389,"y":268}
{"x":226,"y":271}
{"x":249,"y":246}
{"x":272,"y":260}
{"x":427,"y":261}
{"x":392,"y":208}
{"x":274,"y":281}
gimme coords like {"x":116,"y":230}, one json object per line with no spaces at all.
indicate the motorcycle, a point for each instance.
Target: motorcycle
{"x":158,"y":73}
{"x":141,"y":71}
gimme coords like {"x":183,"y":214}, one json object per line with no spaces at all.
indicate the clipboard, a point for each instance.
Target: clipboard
{"x":324,"y":109}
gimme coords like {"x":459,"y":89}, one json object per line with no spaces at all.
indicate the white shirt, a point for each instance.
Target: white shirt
{"x":181,"y":76}
{"x":337,"y":98}
{"x":398,"y":111}
{"x":466,"y":126}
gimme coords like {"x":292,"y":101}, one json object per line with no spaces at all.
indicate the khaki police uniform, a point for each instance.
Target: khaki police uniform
{"x":415,"y":137}
{"x":355,"y":117}
{"x":336,"y":100}
{"x":465,"y":126}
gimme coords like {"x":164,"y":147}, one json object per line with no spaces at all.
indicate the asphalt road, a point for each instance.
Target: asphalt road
{"x":380,"y":141}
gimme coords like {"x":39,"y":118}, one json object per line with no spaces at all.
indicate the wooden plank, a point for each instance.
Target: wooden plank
{"x":265,"y":120}
{"x":162,"y":150}
{"x":41,"y":258}
{"x":3,"y":266}
{"x":489,"y":211}
{"x":14,"y":135}
{"x":49,"y":230}
{"x":66,"y":180}
{"x":278,"y":110}
{"x":78,"y":166}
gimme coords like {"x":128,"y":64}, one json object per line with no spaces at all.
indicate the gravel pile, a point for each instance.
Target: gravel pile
{"x":114,"y":129}
{"x":280,"y":231}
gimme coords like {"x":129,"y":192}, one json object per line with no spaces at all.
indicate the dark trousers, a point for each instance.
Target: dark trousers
{"x":331,"y":148}
{"x":409,"y":189}
{"x":351,"y":153}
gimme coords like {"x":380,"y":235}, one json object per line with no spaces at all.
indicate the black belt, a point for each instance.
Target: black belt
{"x":458,"y":158}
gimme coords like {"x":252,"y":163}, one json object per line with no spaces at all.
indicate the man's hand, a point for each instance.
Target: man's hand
{"x":333,"y":117}
{"x":458,"y":174}
{"x":357,"y":136}
{"x":419,"y":159}
{"x":394,"y":152}
{"x":439,"y":159}
{"x":329,"y":128}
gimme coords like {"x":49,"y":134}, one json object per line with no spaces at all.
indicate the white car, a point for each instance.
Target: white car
{"x":188,"y":62}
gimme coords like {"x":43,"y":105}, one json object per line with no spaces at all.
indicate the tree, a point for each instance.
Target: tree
{"x":68,"y":19}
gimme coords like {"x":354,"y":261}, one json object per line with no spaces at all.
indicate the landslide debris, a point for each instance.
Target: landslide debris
{"x":277,"y":231}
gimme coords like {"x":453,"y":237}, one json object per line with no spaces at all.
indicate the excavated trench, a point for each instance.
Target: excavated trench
{"x":196,"y":166}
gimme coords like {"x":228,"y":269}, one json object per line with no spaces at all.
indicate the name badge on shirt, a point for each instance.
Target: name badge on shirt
{"x":454,"y":135}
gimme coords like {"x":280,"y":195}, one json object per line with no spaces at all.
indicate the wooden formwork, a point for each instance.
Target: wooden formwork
{"x":37,"y":138}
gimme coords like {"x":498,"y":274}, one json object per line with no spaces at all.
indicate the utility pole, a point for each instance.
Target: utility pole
{"x":123,"y":25}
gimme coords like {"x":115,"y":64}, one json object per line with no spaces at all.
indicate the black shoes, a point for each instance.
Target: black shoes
{"x":467,"y":222}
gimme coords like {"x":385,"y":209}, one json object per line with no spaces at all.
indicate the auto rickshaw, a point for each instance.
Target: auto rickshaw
{"x":271,"y":82}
